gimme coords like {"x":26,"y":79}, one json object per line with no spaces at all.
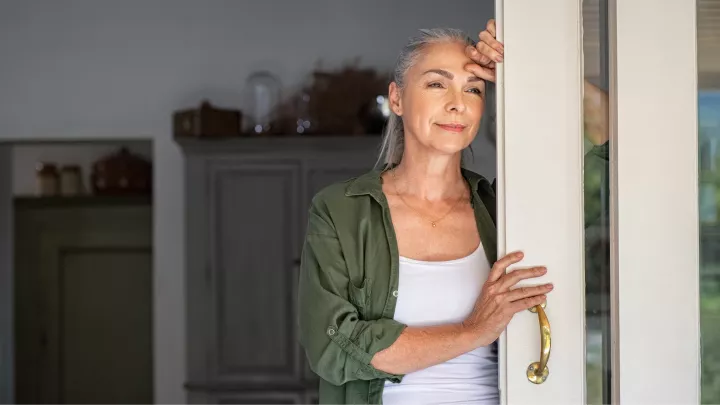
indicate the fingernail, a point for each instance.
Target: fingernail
{"x":551,"y":286}
{"x":518,"y":255}
{"x":499,"y":59}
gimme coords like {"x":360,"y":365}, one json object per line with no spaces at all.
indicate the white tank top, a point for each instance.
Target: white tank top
{"x":436,"y":293}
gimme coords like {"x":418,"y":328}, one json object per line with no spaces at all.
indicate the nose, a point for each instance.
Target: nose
{"x":456,"y":102}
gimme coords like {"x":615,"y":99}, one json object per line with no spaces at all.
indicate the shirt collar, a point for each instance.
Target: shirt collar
{"x":370,"y":183}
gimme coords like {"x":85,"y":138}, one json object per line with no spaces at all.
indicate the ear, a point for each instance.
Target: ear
{"x":395,"y":99}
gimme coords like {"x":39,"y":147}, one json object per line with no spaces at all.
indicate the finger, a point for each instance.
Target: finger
{"x":525,"y":292}
{"x":490,"y":27}
{"x":484,"y":73}
{"x":477,"y":57}
{"x":527,"y":303}
{"x":490,"y":40}
{"x":512,"y":278}
{"x":488,"y":51}
{"x":501,"y":265}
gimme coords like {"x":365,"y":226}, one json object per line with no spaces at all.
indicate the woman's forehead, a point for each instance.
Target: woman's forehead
{"x":445,"y":55}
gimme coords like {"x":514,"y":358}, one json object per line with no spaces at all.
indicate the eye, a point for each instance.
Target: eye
{"x":476,"y":91}
{"x":436,"y":85}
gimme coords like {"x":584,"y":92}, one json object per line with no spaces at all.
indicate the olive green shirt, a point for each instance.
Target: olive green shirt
{"x":348,"y":284}
{"x":349,"y":275}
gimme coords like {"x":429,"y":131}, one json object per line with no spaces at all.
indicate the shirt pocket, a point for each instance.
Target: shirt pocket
{"x":360,"y":297}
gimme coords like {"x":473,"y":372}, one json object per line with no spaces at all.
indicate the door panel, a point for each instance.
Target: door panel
{"x":657,"y":205}
{"x":252,"y":268}
{"x":104,"y":293}
{"x":84,"y":290}
{"x":540,"y":210}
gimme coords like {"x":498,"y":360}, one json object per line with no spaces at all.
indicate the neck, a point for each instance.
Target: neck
{"x":431,"y":178}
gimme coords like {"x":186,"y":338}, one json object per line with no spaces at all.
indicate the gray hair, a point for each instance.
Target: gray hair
{"x":393,"y":143}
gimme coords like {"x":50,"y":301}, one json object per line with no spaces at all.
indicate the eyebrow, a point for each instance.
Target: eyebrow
{"x":450,"y":76}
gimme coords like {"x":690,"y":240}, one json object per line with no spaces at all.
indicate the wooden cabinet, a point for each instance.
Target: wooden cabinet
{"x":247,"y":202}
{"x":83,"y":300}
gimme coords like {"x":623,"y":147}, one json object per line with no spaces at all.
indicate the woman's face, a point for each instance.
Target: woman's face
{"x":442,"y":103}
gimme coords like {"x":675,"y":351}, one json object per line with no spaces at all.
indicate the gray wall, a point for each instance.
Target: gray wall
{"x":117,"y":69}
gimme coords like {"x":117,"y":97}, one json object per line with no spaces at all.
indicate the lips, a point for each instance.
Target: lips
{"x":452,"y":127}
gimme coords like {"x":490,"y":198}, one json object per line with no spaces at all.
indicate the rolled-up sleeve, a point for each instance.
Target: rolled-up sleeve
{"x":338,"y":344}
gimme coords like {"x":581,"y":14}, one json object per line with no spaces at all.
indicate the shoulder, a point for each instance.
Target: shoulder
{"x":367,"y":184}
{"x":333,"y":194}
{"x":348,"y":198}
{"x":480,"y":183}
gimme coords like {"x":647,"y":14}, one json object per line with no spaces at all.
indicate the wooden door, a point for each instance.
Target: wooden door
{"x":84,"y":303}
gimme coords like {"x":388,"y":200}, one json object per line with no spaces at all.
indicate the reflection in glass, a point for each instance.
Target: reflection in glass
{"x":708,"y":48}
{"x":596,"y":200}
{"x":709,"y":195}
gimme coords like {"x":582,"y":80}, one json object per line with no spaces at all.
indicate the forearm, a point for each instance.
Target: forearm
{"x":418,"y":348}
{"x":595,"y":109}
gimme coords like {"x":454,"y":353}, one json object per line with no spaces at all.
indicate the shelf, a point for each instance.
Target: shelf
{"x":30,"y":201}
{"x":250,"y":143}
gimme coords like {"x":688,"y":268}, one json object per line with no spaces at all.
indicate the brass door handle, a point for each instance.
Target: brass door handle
{"x":538,"y":372}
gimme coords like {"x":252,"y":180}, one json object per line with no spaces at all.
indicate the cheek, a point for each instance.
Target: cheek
{"x":476,"y":108}
{"x":422,"y":107}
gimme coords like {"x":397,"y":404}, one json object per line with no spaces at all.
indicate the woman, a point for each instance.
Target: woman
{"x":401,"y":297}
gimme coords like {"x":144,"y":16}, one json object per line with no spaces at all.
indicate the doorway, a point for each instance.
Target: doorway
{"x":82,"y":271}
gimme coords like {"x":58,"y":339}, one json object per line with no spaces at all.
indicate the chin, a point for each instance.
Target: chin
{"x":451,"y":144}
{"x":450,"y":148}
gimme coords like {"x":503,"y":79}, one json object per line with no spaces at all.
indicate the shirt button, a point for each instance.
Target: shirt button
{"x":395,"y":293}
{"x":331,"y":331}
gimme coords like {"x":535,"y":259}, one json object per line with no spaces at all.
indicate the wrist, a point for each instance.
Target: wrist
{"x":470,"y":336}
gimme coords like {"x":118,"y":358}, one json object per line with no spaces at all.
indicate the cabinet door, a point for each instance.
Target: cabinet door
{"x":311,"y":397}
{"x":84,"y":290}
{"x":252,"y":219}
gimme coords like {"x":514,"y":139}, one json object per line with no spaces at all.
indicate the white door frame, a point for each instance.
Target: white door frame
{"x":657,"y":236}
{"x":540,"y":199}
{"x":654,"y":195}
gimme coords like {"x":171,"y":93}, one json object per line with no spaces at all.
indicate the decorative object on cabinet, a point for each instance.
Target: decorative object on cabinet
{"x":207,"y":121}
{"x":122,"y":173}
{"x":262,"y":95}
{"x":47,"y":179}
{"x":335,"y":102}
{"x":71,"y":183}
{"x":373,"y":114}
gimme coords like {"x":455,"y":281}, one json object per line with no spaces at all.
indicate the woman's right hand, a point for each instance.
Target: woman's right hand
{"x":485,"y":54}
{"x":498,"y":301}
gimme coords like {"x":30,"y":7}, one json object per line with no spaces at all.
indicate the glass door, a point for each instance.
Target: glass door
{"x":608,"y":126}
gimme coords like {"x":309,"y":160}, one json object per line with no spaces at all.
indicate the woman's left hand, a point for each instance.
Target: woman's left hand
{"x":485,"y":54}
